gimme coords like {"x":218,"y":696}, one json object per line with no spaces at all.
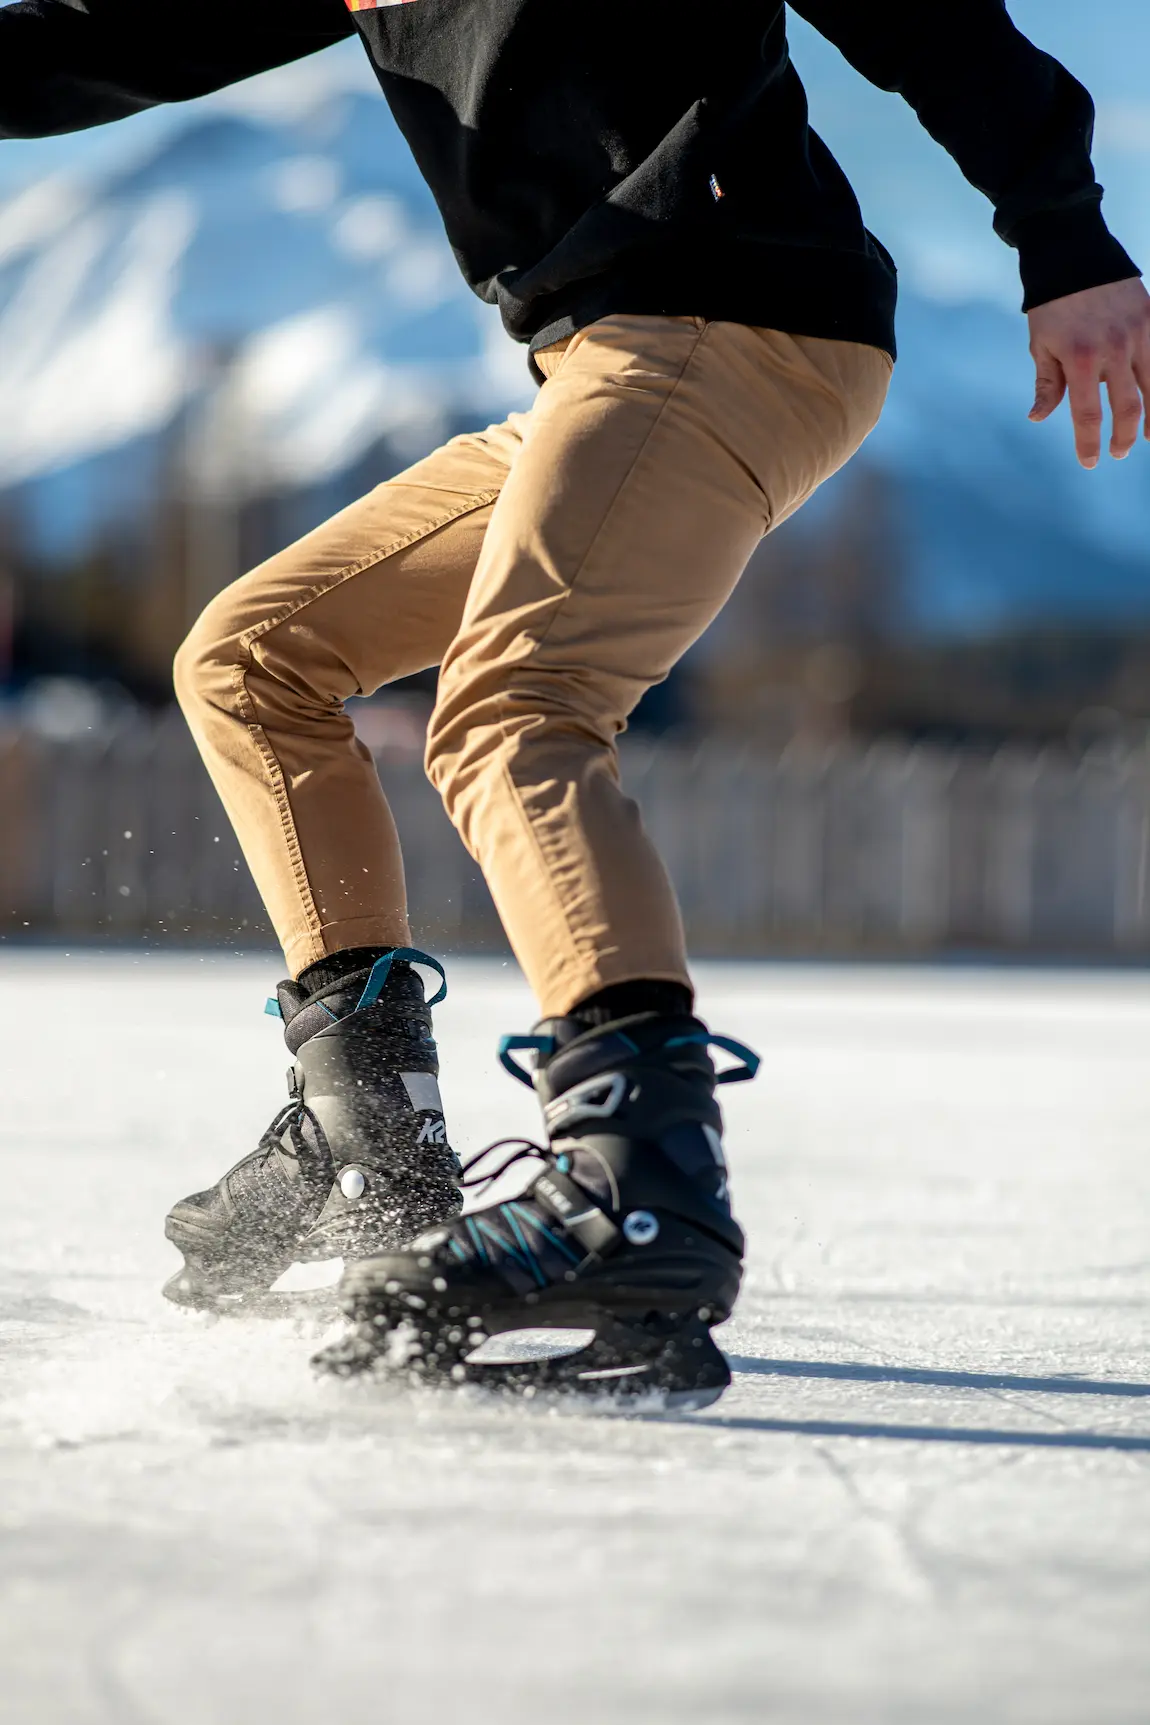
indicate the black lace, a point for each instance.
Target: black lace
{"x":289,"y":1120}
{"x":519,"y":1150}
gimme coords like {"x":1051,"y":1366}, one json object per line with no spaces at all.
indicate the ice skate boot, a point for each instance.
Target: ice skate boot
{"x":356,"y":1163}
{"x":624,"y":1233}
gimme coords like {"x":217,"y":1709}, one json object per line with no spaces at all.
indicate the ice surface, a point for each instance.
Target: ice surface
{"x":926,"y":1499}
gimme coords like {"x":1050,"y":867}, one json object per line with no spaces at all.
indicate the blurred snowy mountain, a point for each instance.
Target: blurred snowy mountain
{"x":303,"y":245}
{"x":278,"y":239}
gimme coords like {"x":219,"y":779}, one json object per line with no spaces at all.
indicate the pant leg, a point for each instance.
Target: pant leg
{"x":374,"y":594}
{"x":659,"y":451}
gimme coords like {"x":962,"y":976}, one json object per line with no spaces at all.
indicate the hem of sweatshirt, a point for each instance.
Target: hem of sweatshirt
{"x":828,"y":295}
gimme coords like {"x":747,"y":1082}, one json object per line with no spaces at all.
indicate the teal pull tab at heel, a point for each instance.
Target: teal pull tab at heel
{"x":381,"y":969}
{"x":734,"y":1074}
{"x":509,"y":1045}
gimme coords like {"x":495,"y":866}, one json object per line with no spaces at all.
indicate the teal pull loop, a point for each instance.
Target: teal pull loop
{"x":737,"y":1074}
{"x":734,"y":1074}
{"x":272,"y":1007}
{"x":509,"y":1044}
{"x":373,"y":988}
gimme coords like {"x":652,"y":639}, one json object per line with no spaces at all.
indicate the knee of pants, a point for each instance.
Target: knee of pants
{"x":491,"y":720}
{"x":207,"y":663}
{"x":228,"y":664}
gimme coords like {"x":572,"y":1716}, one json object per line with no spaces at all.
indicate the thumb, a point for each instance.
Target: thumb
{"x":1050,"y":387}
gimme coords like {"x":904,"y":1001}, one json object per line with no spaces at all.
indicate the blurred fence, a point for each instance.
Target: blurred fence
{"x":887,"y":848}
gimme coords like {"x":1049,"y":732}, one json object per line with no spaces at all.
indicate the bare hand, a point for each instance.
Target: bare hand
{"x":1088,"y":339}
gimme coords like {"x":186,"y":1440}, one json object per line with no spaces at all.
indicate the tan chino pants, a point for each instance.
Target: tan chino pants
{"x":556,"y":566}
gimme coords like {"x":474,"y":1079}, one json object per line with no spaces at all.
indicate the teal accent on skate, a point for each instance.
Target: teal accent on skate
{"x":381,"y":969}
{"x":521,"y":1253}
{"x":529,"y":1216}
{"x":508,"y":1045}
{"x":273,"y":1009}
{"x":734,"y":1074}
{"x":528,"y":1254}
{"x":476,"y":1239}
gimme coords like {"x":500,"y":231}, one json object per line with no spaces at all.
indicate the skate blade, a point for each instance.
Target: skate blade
{"x":619,"y":1392}
{"x":190,"y":1291}
{"x":596,"y":1393}
{"x":309,"y":1278}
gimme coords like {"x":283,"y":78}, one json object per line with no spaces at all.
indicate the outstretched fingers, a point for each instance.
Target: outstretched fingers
{"x":1125,"y":413}
{"x":1123,"y":355}
{"x":1142,"y":379}
{"x":1088,"y":339}
{"x":1085,"y":382}
{"x":1049,"y":386}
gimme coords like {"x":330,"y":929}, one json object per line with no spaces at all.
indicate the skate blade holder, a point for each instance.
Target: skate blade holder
{"x":567,"y":1365}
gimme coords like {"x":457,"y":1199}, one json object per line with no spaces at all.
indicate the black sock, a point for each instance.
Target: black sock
{"x":622,"y":999}
{"x":327,"y":971}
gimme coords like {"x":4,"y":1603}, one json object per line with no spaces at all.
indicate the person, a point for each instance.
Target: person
{"x":712,"y":329}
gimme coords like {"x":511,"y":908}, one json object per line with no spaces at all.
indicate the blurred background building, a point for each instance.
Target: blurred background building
{"x":924,"y":720}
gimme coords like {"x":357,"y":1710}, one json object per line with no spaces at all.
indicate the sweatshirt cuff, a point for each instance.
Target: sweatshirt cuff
{"x":1067,"y":250}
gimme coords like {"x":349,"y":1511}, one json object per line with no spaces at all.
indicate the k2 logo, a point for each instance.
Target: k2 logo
{"x":434,"y":1128}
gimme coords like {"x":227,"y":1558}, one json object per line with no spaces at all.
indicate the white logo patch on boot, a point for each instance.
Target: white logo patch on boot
{"x":433,"y":1131}
{"x":423,"y":1092}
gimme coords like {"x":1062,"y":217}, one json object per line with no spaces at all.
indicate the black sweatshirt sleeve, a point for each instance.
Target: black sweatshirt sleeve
{"x":1018,"y":125}
{"x":64,"y":66}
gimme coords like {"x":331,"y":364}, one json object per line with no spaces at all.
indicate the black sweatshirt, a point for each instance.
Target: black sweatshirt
{"x":614,"y":156}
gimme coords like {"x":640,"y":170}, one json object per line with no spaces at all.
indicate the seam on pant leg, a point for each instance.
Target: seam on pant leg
{"x":579,"y":941}
{"x":247,"y":708}
{"x":533,"y":840}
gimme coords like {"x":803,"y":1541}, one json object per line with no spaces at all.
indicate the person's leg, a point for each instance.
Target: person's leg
{"x":373,"y":595}
{"x":359,"y":1158}
{"x":660,"y":450}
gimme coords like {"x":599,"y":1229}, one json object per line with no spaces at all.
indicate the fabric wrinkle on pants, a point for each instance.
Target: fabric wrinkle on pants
{"x":557,"y":566}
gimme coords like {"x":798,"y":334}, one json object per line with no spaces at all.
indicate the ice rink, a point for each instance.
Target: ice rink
{"x":926,"y":1498}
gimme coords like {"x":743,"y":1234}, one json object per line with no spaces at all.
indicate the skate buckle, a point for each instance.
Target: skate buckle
{"x":594,"y":1099}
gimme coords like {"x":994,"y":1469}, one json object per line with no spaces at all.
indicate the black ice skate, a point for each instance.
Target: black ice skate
{"x":357,"y":1162}
{"x":625,"y":1231}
